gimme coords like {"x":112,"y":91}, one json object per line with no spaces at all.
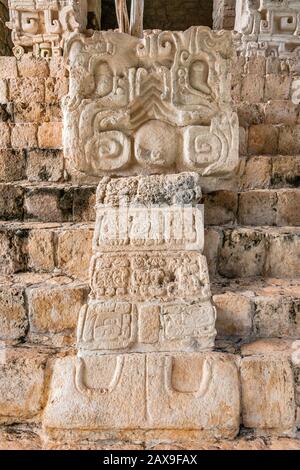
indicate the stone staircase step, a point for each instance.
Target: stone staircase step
{"x":260,"y":308}
{"x":58,"y":202}
{"x":232,"y":252}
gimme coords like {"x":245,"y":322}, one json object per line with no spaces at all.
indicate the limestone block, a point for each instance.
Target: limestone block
{"x":234,"y":314}
{"x":55,"y":309}
{"x":56,"y":89}
{"x":257,"y":173}
{"x":276,"y":316}
{"x":11,"y":252}
{"x":289,"y":140}
{"x":44,"y":165}
{"x":286,"y":171}
{"x":258,"y":207}
{"x":277,"y":87}
{"x":212,"y":243}
{"x":13,"y":315}
{"x":26,"y":90}
{"x":32,"y":112}
{"x":50,"y":135}
{"x":156,"y":228}
{"x":4,"y":135}
{"x":242,"y":254}
{"x":84,"y":204}
{"x":29,"y":66}
{"x":88,"y":393}
{"x":12,"y":165}
{"x":8,"y":67}
{"x":150,"y":276}
{"x":24,"y":136}
{"x":122,"y":326}
{"x":40,"y":249}
{"x":281,"y":112}
{"x":74,"y":251}
{"x":220,"y":208}
{"x":263,"y":140}
{"x":288,"y":208}
{"x":268,"y":394}
{"x":21,"y":383}
{"x":125,"y":116}
{"x":182,"y":189}
{"x":3,"y":91}
{"x":253,"y":88}
{"x":48,"y":205}
{"x":283,"y":258}
{"x":11,"y":202}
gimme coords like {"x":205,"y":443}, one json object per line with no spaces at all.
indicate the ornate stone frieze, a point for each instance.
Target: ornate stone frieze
{"x":269,"y":27}
{"x":41,"y":25}
{"x":159,"y":104}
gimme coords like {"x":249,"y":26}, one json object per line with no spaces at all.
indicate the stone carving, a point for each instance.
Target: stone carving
{"x":122,"y":326}
{"x":40,"y":26}
{"x":269,"y":28}
{"x":160,"y":103}
{"x":186,"y":386}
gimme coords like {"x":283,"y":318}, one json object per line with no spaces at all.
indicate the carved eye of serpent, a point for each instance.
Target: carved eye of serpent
{"x":109,"y":149}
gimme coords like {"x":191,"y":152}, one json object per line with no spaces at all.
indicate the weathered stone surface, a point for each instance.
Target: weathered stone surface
{"x":24,"y":136}
{"x":11,"y":256}
{"x":122,"y":326}
{"x":164,"y":119}
{"x":74,"y":251}
{"x":258,"y":207}
{"x":284,"y":255}
{"x":50,"y":135}
{"x":268,"y":394}
{"x":234,"y":315}
{"x":44,"y":165}
{"x":150,"y":276}
{"x":55,"y":309}
{"x":220,"y":208}
{"x":21,"y":383}
{"x":13,"y":315}
{"x":12,"y":165}
{"x":277,"y":316}
{"x":11,"y":202}
{"x":86,"y":392}
{"x":40,"y":248}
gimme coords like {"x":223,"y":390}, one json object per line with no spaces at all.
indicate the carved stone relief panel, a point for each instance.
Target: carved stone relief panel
{"x":269,"y":27}
{"x":40,"y":26}
{"x":159,"y":104}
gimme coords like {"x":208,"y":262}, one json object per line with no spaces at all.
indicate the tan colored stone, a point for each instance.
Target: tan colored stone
{"x":289,"y":140}
{"x":47,"y":205}
{"x":288,"y":207}
{"x":11,"y":252}
{"x":12,"y":165}
{"x":242,"y":254}
{"x":50,"y":135}
{"x":150,"y":276}
{"x":26,"y":90}
{"x":275,"y":316}
{"x":55,"y":309}
{"x":32,"y":112}
{"x":3,"y":91}
{"x":24,"y":136}
{"x":40,"y":250}
{"x":74,"y":251}
{"x":234,"y":314}
{"x":185,"y":385}
{"x":281,"y":112}
{"x":257,"y":173}
{"x":29,"y":66}
{"x":21,"y":383}
{"x":56,"y":89}
{"x":220,"y":208}
{"x":13,"y":315}
{"x":8,"y":67}
{"x":268,"y":394}
{"x":44,"y":165}
{"x":258,"y":207}
{"x":263,"y":139}
{"x":286,"y":171}
{"x":11,"y":202}
{"x":19,"y":439}
{"x":277,"y":87}
{"x":253,"y":88}
{"x":4,"y":135}
{"x":212,"y":243}
{"x":283,"y":259}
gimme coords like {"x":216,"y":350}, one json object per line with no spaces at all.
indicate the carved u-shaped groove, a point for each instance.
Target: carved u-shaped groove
{"x":85,"y":390}
{"x":204,"y":383}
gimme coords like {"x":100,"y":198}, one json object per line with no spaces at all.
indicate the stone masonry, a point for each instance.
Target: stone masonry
{"x":58,"y":318}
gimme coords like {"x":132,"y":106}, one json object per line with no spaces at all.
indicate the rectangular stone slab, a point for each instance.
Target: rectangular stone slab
{"x":154,"y":391}
{"x":126,"y":327}
{"x":146,"y":276}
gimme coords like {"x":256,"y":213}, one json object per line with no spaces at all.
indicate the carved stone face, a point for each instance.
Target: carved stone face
{"x":157,"y":104}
